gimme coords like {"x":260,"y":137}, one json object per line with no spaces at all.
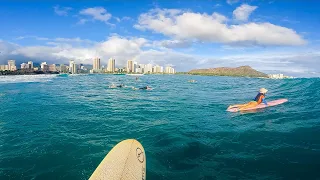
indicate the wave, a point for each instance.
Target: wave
{"x":26,"y":78}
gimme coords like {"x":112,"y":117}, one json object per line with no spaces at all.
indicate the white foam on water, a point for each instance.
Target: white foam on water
{"x":26,"y":78}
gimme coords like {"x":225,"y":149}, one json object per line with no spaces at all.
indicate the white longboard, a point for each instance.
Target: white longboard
{"x":125,"y":161}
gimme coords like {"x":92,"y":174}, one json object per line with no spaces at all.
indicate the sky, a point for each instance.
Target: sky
{"x":271,"y":36}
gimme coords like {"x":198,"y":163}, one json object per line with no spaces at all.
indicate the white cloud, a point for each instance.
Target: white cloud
{"x":96,"y":13}
{"x":178,"y":60}
{"x":62,"y":49}
{"x":170,"y":44}
{"x":286,"y":19}
{"x":20,"y":37}
{"x":6,"y":48}
{"x":118,"y":19}
{"x":125,"y":18}
{"x":232,"y":1}
{"x":243,"y":12}
{"x":184,"y":25}
{"x":76,"y":40}
{"x":82,"y":21}
{"x":57,"y":40}
{"x":62,"y":11}
{"x":34,"y":37}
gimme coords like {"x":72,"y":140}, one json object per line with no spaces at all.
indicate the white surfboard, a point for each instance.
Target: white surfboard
{"x":125,"y":161}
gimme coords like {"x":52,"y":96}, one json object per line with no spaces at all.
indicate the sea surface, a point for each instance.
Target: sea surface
{"x":55,"y":127}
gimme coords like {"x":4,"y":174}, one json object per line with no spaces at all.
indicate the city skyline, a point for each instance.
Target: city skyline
{"x":74,"y":68}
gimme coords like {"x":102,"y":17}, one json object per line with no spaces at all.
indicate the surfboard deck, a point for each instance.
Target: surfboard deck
{"x":125,"y":161}
{"x":260,"y":106}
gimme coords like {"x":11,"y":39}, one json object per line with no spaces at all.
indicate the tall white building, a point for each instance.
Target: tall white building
{"x":12,"y":65}
{"x":138,"y":70}
{"x":96,"y":64}
{"x":111,"y":65}
{"x":157,"y":69}
{"x":24,"y":66}
{"x":71,"y":62}
{"x":142,"y":67}
{"x":148,"y":68}
{"x":169,"y":70}
{"x":44,"y":66}
{"x":30,"y":64}
{"x":74,"y":68}
{"x":161,"y":69}
{"x":135,"y":66}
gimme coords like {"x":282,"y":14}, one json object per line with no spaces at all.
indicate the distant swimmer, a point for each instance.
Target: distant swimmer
{"x":192,"y":81}
{"x":260,"y":98}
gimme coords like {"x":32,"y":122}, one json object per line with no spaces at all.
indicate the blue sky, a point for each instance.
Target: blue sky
{"x":271,"y":36}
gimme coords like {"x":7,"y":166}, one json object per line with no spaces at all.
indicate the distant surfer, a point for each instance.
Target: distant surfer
{"x":260,"y":98}
{"x":143,"y":88}
{"x":120,"y":86}
{"x":116,"y":86}
{"x":146,"y":88}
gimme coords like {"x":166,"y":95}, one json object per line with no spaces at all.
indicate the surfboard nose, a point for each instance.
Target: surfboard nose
{"x":125,"y":161}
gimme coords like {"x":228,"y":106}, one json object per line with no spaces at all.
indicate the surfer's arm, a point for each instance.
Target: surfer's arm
{"x":264,"y":101}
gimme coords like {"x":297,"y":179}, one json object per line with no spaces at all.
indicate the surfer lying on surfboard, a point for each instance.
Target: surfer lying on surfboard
{"x":143,"y":88}
{"x":116,"y":86}
{"x":260,"y":98}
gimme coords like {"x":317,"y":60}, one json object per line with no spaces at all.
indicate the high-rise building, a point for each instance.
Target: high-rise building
{"x":63,"y":68}
{"x":12,"y":65}
{"x":96,"y":64}
{"x":71,"y":62}
{"x":142,"y":67}
{"x":4,"y":67}
{"x":52,"y":68}
{"x":44,"y":67}
{"x":157,"y":69}
{"x":138,"y":70}
{"x":24,"y":66}
{"x":134,"y":67}
{"x":148,"y":68}
{"x":74,"y":68}
{"x":111,"y":65}
{"x":30,"y":64}
{"x":129,"y":66}
{"x":169,"y":70}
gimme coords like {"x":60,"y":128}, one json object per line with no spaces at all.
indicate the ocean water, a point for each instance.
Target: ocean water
{"x":62,"y":127}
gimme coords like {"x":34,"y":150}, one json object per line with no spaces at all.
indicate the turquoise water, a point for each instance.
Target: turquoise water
{"x":62,"y":127}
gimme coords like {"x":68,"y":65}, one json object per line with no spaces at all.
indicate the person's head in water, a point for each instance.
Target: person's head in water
{"x":263,"y":90}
